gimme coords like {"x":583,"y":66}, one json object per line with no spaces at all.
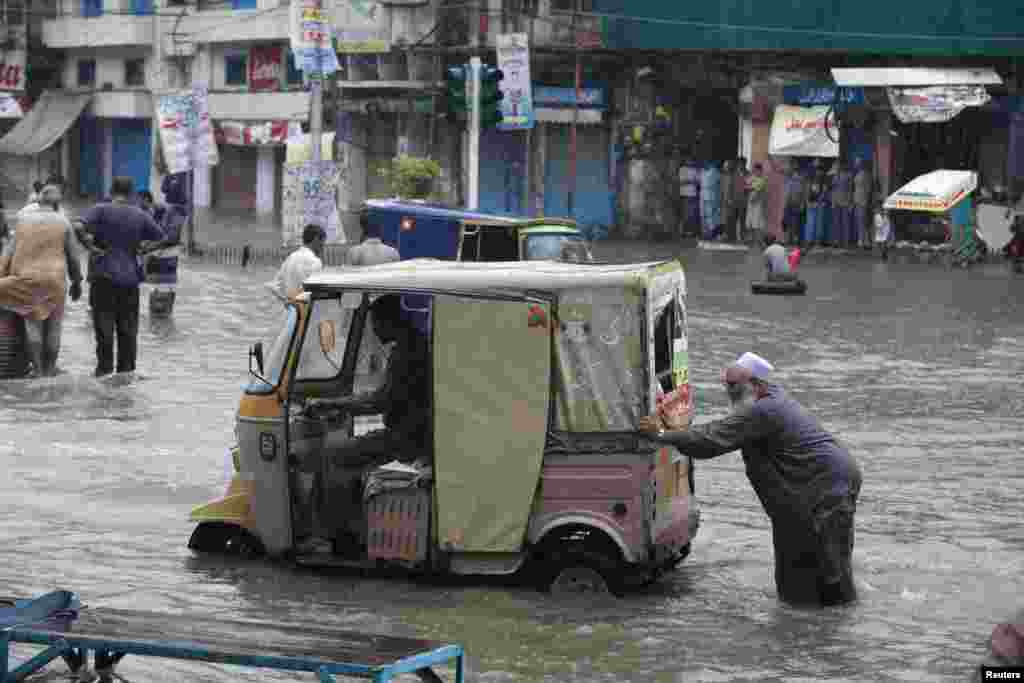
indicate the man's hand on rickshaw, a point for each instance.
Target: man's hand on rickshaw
{"x":651,"y":424}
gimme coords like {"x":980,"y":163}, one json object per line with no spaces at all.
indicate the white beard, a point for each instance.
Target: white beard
{"x":740,"y":397}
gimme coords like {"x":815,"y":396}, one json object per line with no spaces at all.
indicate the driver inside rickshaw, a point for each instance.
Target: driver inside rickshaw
{"x":404,"y":398}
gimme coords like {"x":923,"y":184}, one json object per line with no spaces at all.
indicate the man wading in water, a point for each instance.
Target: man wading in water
{"x":807,"y":482}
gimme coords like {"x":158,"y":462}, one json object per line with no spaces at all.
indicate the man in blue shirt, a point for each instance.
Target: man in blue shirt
{"x":118,"y":230}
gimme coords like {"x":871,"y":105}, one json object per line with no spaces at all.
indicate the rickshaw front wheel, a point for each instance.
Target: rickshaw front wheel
{"x":224,"y":539}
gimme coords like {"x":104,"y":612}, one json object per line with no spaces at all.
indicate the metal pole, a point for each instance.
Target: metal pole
{"x":528,"y":156}
{"x":575,"y":122}
{"x":316,"y":115}
{"x":473,"y":201}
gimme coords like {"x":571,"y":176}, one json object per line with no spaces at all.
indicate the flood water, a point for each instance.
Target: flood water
{"x":918,"y":368}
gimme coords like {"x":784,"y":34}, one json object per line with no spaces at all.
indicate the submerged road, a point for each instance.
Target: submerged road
{"x":917,"y":368}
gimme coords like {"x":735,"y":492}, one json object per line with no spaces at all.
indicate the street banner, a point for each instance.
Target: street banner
{"x":309,"y":195}
{"x":936,"y":104}
{"x":250,"y":134}
{"x":12,"y":70}
{"x":514,"y":62}
{"x":360,"y":27}
{"x":266,"y":66}
{"x":10,"y":107}
{"x":312,"y":38}
{"x":935,"y":192}
{"x":800,"y":132}
{"x":203,"y":147}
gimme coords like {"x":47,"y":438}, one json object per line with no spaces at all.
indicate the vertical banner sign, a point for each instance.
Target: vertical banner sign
{"x":186,"y":135}
{"x":266,"y":65}
{"x":360,"y":27}
{"x":514,"y":62}
{"x":311,"y":38}
{"x":308,"y":196}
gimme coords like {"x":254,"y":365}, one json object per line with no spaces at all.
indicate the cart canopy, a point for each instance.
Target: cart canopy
{"x":935,"y":192}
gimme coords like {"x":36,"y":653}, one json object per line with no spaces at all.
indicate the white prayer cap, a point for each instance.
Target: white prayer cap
{"x":758,"y":367}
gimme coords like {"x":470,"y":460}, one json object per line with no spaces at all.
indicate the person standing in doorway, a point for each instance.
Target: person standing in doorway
{"x":689,"y":183}
{"x":814,"y":231}
{"x":842,"y":205}
{"x":728,"y":199}
{"x":710,"y":200}
{"x":795,"y":193}
{"x":757,"y":191}
{"x":118,"y":230}
{"x":863,"y":187}
{"x":740,"y":197}
{"x":372,"y":250}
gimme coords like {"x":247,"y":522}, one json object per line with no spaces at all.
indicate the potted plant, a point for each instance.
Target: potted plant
{"x":411,"y":177}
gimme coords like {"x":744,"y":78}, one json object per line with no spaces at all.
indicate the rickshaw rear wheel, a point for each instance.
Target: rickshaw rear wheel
{"x":582,"y":572}
{"x":225,"y":539}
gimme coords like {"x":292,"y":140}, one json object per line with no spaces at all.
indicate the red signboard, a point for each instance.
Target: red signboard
{"x":266,"y":66}
{"x":12,"y":70}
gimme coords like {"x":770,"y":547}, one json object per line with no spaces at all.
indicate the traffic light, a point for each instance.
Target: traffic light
{"x":490,"y":96}
{"x":456,"y":79}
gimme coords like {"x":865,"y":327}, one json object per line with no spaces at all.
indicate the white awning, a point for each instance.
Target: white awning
{"x":909,"y":77}
{"x":44,"y":124}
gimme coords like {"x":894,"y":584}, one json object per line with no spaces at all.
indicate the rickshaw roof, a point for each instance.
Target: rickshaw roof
{"x":439,"y":211}
{"x":935,"y":192}
{"x":462,"y":277}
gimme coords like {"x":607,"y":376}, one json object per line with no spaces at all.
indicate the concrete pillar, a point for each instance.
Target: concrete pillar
{"x":107,"y":153}
{"x":265,"y":173}
{"x":202,"y":186}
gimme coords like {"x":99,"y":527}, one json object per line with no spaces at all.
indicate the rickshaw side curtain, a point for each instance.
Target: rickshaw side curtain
{"x":601,"y":365}
{"x":492,"y":369}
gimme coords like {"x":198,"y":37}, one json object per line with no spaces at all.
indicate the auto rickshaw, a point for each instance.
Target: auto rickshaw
{"x":946,"y":195}
{"x":422,"y":230}
{"x":539,"y":372}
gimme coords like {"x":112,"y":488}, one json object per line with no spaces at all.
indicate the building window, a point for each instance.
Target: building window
{"x":86,"y":72}
{"x":142,"y":7}
{"x":236,"y":68}
{"x":294,"y":74}
{"x":135,"y":72}
{"x":15,"y":13}
{"x":243,"y":4}
{"x":92,"y":8}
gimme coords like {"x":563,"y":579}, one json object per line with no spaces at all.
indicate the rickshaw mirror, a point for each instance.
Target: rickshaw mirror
{"x":256,"y":353}
{"x":328,"y":340}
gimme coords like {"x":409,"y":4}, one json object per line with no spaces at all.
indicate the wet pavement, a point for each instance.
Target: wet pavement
{"x":917,"y":368}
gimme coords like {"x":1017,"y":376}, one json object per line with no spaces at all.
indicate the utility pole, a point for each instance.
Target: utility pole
{"x":316,"y":115}
{"x":527,"y":153}
{"x":573,"y":152}
{"x":473,"y":200}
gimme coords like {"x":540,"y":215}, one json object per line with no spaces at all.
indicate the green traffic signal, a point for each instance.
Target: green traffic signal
{"x":490,"y":96}
{"x":455,"y":89}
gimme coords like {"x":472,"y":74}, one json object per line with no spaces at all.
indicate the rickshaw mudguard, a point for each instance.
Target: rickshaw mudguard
{"x":233,"y":508}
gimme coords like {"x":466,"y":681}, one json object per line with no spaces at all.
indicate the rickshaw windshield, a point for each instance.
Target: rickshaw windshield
{"x":548,"y":246}
{"x":276,"y":353}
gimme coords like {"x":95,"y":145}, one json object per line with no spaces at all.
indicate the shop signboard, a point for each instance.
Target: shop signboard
{"x":186,"y":133}
{"x":935,"y":192}
{"x":312,"y":38}
{"x":309,"y":196}
{"x":936,"y":104}
{"x":266,"y":67}
{"x":800,"y":132}
{"x":590,"y":98}
{"x":514,"y":62}
{"x":814,"y":94}
{"x":253,"y":134}
{"x":361,"y":28}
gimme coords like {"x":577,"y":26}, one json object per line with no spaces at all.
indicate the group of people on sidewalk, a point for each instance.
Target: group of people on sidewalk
{"x":819,"y":206}
{"x":42,"y":254}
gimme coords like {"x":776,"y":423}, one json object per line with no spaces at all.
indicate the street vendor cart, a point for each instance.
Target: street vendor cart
{"x":945,"y":194}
